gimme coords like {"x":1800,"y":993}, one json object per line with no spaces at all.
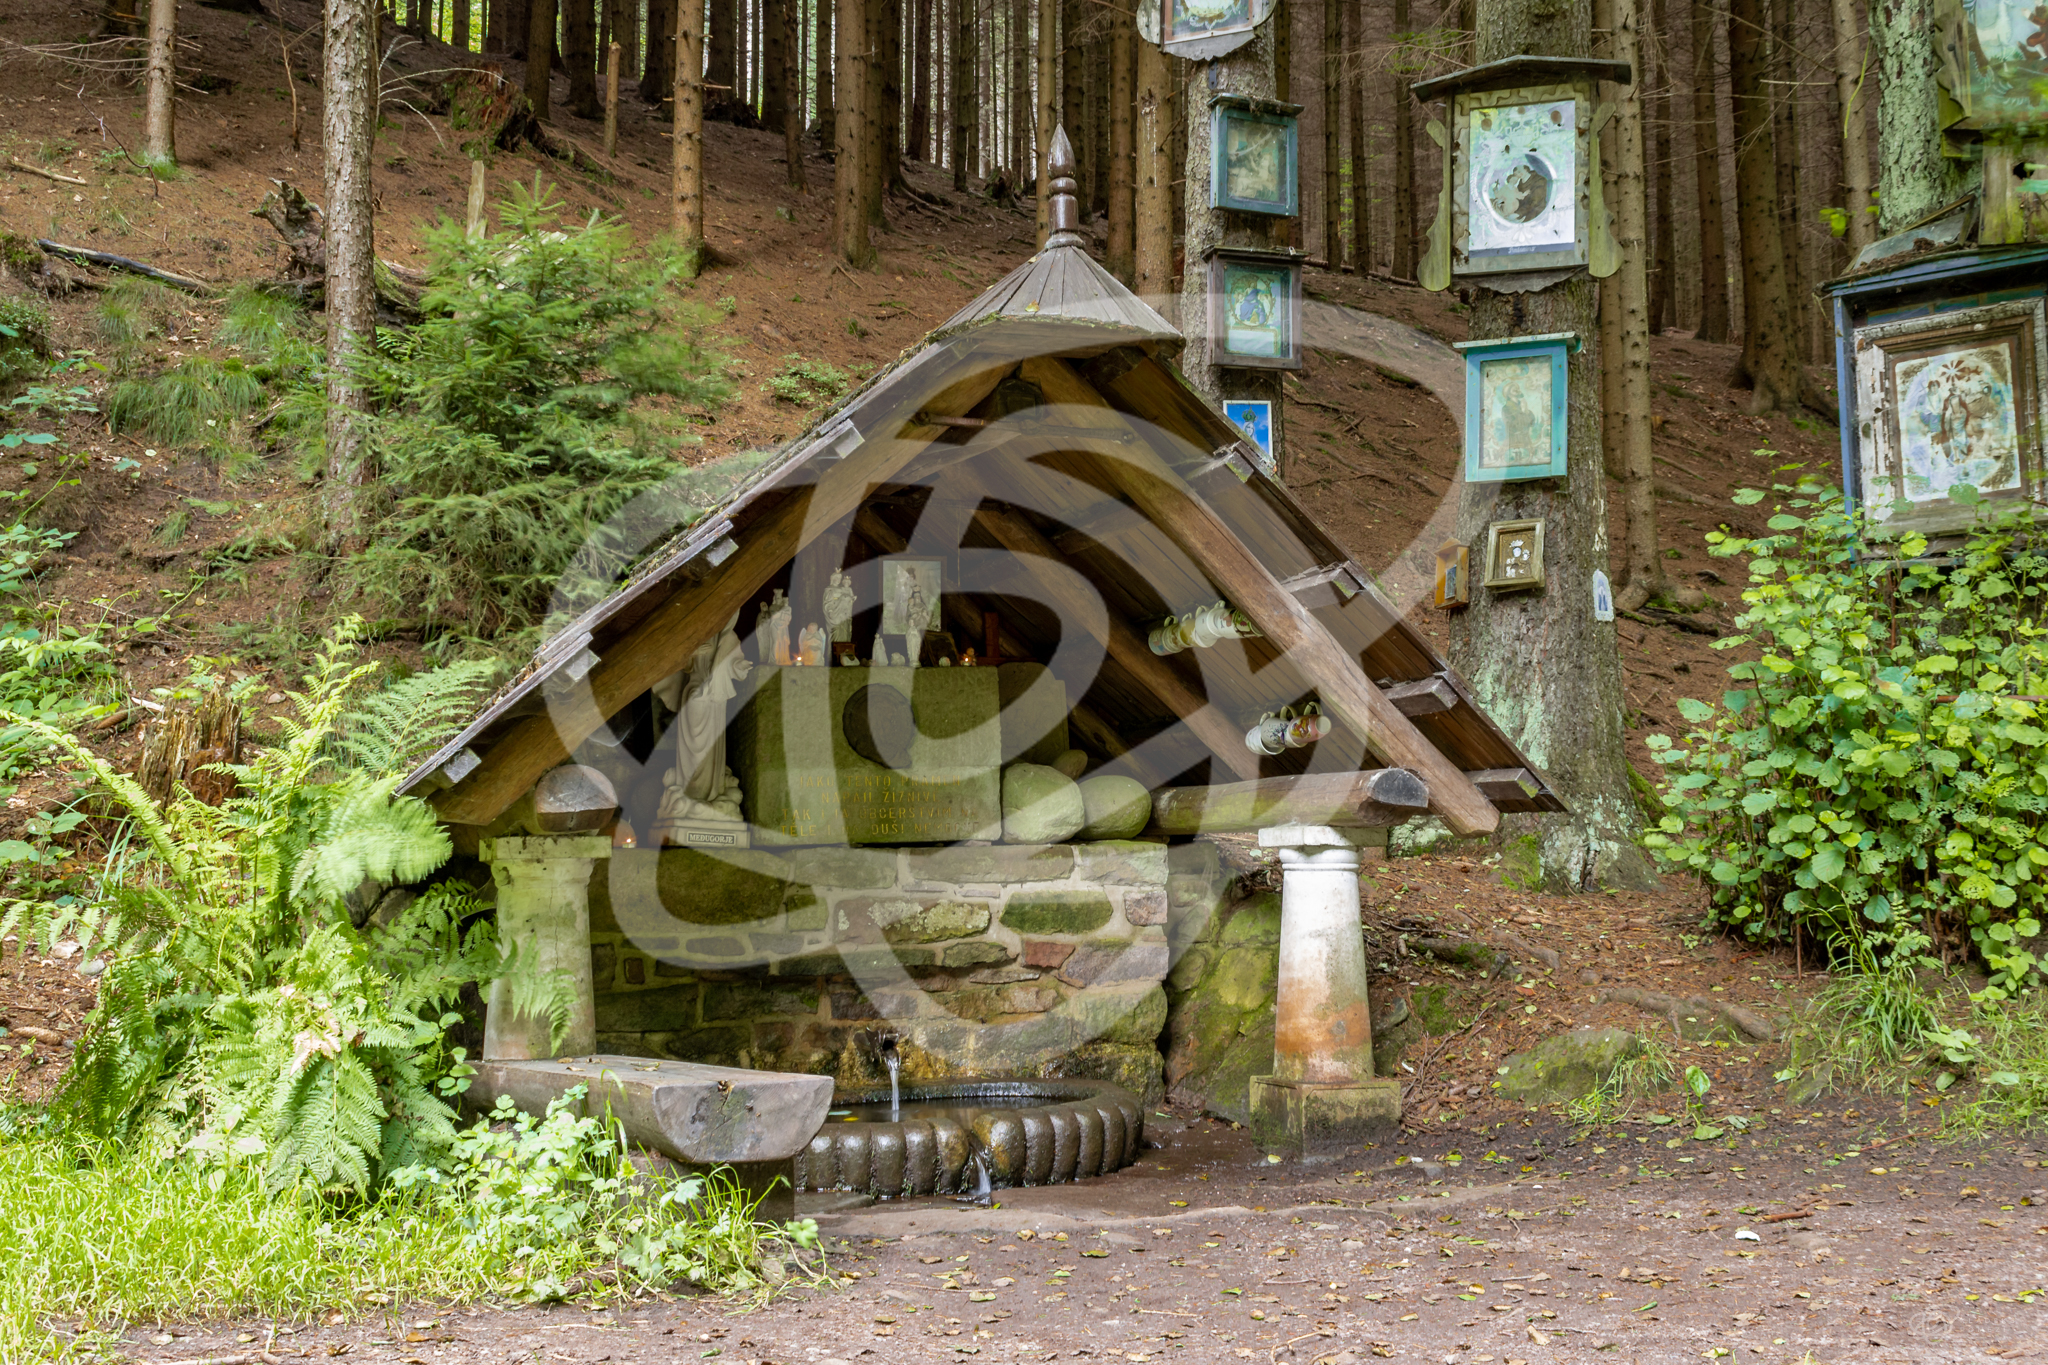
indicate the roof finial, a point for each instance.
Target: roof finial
{"x":1063,"y":210}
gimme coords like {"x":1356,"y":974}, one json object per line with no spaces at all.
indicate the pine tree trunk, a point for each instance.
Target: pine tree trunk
{"x":875,"y":111}
{"x":963,"y":82}
{"x":1152,"y":208}
{"x":658,"y":75}
{"x":1541,"y":666}
{"x":1404,"y":152}
{"x":1663,"y":258}
{"x":793,"y":105}
{"x":892,"y":100}
{"x":458,"y":25}
{"x":540,"y":53}
{"x":721,"y":58}
{"x":1046,"y":108}
{"x":1333,"y":194}
{"x":687,"y":188}
{"x":774,"y":88}
{"x":1123,"y":246}
{"x":1021,"y":111}
{"x":1361,"y":154}
{"x":1074,"y":84}
{"x":849,"y":174}
{"x":1098,"y":124}
{"x":160,"y":86}
{"x":1851,"y":82}
{"x":1767,"y":343}
{"x":1914,"y":178}
{"x":579,"y":55}
{"x":348,"y":125}
{"x":1785,"y":141}
{"x":1706,"y":123}
{"x":823,"y":62}
{"x":519,"y":23}
{"x":1643,"y":569}
{"x":918,"y":137}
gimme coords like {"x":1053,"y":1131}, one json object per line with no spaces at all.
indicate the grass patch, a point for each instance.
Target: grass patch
{"x":191,"y":402}
{"x":806,"y":383}
{"x":131,"y":311}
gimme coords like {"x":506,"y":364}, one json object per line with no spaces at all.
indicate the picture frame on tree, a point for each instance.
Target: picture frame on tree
{"x":1255,"y":309}
{"x":1951,"y":398}
{"x":1201,"y":30}
{"x":1254,"y":417}
{"x":1514,"y":555}
{"x":1521,"y":193}
{"x":1255,"y":160}
{"x":1516,"y":391}
{"x":1453,"y":576}
{"x":1991,"y":62}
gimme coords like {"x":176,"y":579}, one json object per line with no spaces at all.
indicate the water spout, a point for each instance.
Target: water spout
{"x":893,"y":1059}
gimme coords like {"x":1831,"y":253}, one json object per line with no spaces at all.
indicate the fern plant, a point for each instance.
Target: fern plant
{"x":242,"y":1015}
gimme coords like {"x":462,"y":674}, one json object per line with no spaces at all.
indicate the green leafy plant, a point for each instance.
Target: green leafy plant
{"x":510,"y":421}
{"x":1881,"y":770}
{"x":24,"y":338}
{"x":806,"y":383}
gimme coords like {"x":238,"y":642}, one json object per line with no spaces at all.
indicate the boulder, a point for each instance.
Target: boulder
{"x":1073,"y":763}
{"x":1116,"y":807}
{"x":1566,"y":1066}
{"x":1041,"y":805}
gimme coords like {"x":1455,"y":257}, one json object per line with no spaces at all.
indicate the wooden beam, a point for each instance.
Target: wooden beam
{"x":1079,"y":602}
{"x":1507,"y":784}
{"x":1345,"y":691}
{"x":1425,"y":697}
{"x":666,"y":637}
{"x":1377,"y":798}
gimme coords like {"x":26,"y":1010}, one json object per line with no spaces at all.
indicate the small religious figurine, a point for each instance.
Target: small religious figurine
{"x":778,"y":629}
{"x":917,"y":613}
{"x":698,"y":787}
{"x":839,"y":607}
{"x":810,"y":650}
{"x":764,"y":627}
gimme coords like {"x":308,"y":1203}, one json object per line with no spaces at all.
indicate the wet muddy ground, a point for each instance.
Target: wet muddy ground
{"x":1811,"y":1236}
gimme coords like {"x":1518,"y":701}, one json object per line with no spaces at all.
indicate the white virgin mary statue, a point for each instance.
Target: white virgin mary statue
{"x":699,"y":787}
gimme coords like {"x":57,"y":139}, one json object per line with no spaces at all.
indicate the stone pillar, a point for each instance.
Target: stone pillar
{"x":1322,"y":1095}
{"x":544,"y":911}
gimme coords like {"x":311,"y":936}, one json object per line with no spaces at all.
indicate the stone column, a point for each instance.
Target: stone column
{"x":544,"y":912}
{"x":1322,"y":1095}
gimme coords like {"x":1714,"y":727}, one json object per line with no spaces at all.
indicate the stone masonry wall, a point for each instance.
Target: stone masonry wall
{"x":983,"y":960}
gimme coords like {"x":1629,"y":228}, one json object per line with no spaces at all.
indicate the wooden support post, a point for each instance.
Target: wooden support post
{"x":663,"y":641}
{"x":1507,"y":784}
{"x":1424,"y":698}
{"x":1377,"y":798}
{"x":1346,"y":693}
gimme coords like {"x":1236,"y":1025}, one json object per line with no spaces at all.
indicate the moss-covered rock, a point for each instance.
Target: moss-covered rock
{"x":1566,"y":1066}
{"x":1041,"y":805}
{"x":1057,"y":911}
{"x":1136,"y":1069}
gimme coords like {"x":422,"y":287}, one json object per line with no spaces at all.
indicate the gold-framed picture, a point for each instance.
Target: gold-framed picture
{"x":1514,"y":555}
{"x":1453,"y":576}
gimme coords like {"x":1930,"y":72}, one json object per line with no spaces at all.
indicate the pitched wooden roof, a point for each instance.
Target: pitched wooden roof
{"x":1113,"y":473}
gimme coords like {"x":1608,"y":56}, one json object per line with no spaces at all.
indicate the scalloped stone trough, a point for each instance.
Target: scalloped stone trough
{"x":1069,"y":1130}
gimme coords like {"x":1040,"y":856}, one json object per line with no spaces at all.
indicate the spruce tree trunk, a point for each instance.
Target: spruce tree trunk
{"x":1123,"y":247}
{"x":823,"y":63}
{"x":658,"y":76}
{"x":1767,"y":342}
{"x":1663,"y":256}
{"x":1404,"y":152}
{"x":1361,"y":153}
{"x":579,"y":55}
{"x":160,"y":86}
{"x":687,"y":187}
{"x":348,"y":120}
{"x":519,"y":20}
{"x":793,"y":106}
{"x":963,"y":82}
{"x":1785,"y":140}
{"x":919,"y":135}
{"x":1333,"y":226}
{"x":540,"y":54}
{"x":1152,"y":209}
{"x":721,"y":58}
{"x":1074,"y":83}
{"x":1643,"y":573}
{"x":1097,"y":154}
{"x":849,"y":174}
{"x":891,"y":64}
{"x":774,"y":64}
{"x":458,"y":25}
{"x":1542,"y":667}
{"x":1046,"y":108}
{"x":1852,"y":80}
{"x":1914,"y":178}
{"x":1706,"y":123}
{"x":1021,"y":112}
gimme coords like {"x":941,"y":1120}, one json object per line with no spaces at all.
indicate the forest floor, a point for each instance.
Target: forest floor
{"x":1633,"y":1223}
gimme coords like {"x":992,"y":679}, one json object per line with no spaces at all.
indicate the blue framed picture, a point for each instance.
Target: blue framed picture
{"x":1255,"y":156}
{"x":1254,"y":417}
{"x":1254,"y":309}
{"x":1515,"y":395}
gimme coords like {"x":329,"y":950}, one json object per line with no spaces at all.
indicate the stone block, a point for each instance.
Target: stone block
{"x":1189,"y":968}
{"x":720,"y":948}
{"x":975,"y":953}
{"x":721,"y":1045}
{"x":748,"y":1000}
{"x":667,"y":970}
{"x":1040,"y":805}
{"x":692,"y":1113}
{"x":1035,"y":709}
{"x":660,"y":1010}
{"x":1116,"y":807}
{"x":768,"y":946}
{"x":806,"y":784}
{"x":1121,"y":862}
{"x":739,"y":886}
{"x":604,"y":960}
{"x":1001,"y":976}
{"x":1296,"y":1118}
{"x":1123,"y":1014}
{"x":805,"y":911}
{"x":824,"y":962}
{"x":850,"y":869}
{"x":1256,"y":920}
{"x":929,"y":921}
{"x":1244,"y":979}
{"x":1057,"y":911}
{"x":851,"y":1003}
{"x":998,"y":864}
{"x":1566,"y":1066}
{"x":1029,"y":999}
{"x":1145,"y":907}
{"x":883,"y":957}
{"x":1046,"y":953}
{"x":1135,"y":1067}
{"x":634,"y":969}
{"x":1111,"y":963}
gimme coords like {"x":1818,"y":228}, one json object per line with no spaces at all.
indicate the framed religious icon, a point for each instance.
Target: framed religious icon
{"x":1254,"y":417}
{"x":1255,"y":309}
{"x":1944,"y":400}
{"x":910,"y":595}
{"x":1515,"y":396}
{"x":1453,"y":576}
{"x":1992,"y":59}
{"x":1254,"y":161}
{"x":1205,"y":29}
{"x":1521,"y":191}
{"x":1514,"y":555}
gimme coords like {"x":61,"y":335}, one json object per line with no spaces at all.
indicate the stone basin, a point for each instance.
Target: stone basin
{"x":1032,"y":1132}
